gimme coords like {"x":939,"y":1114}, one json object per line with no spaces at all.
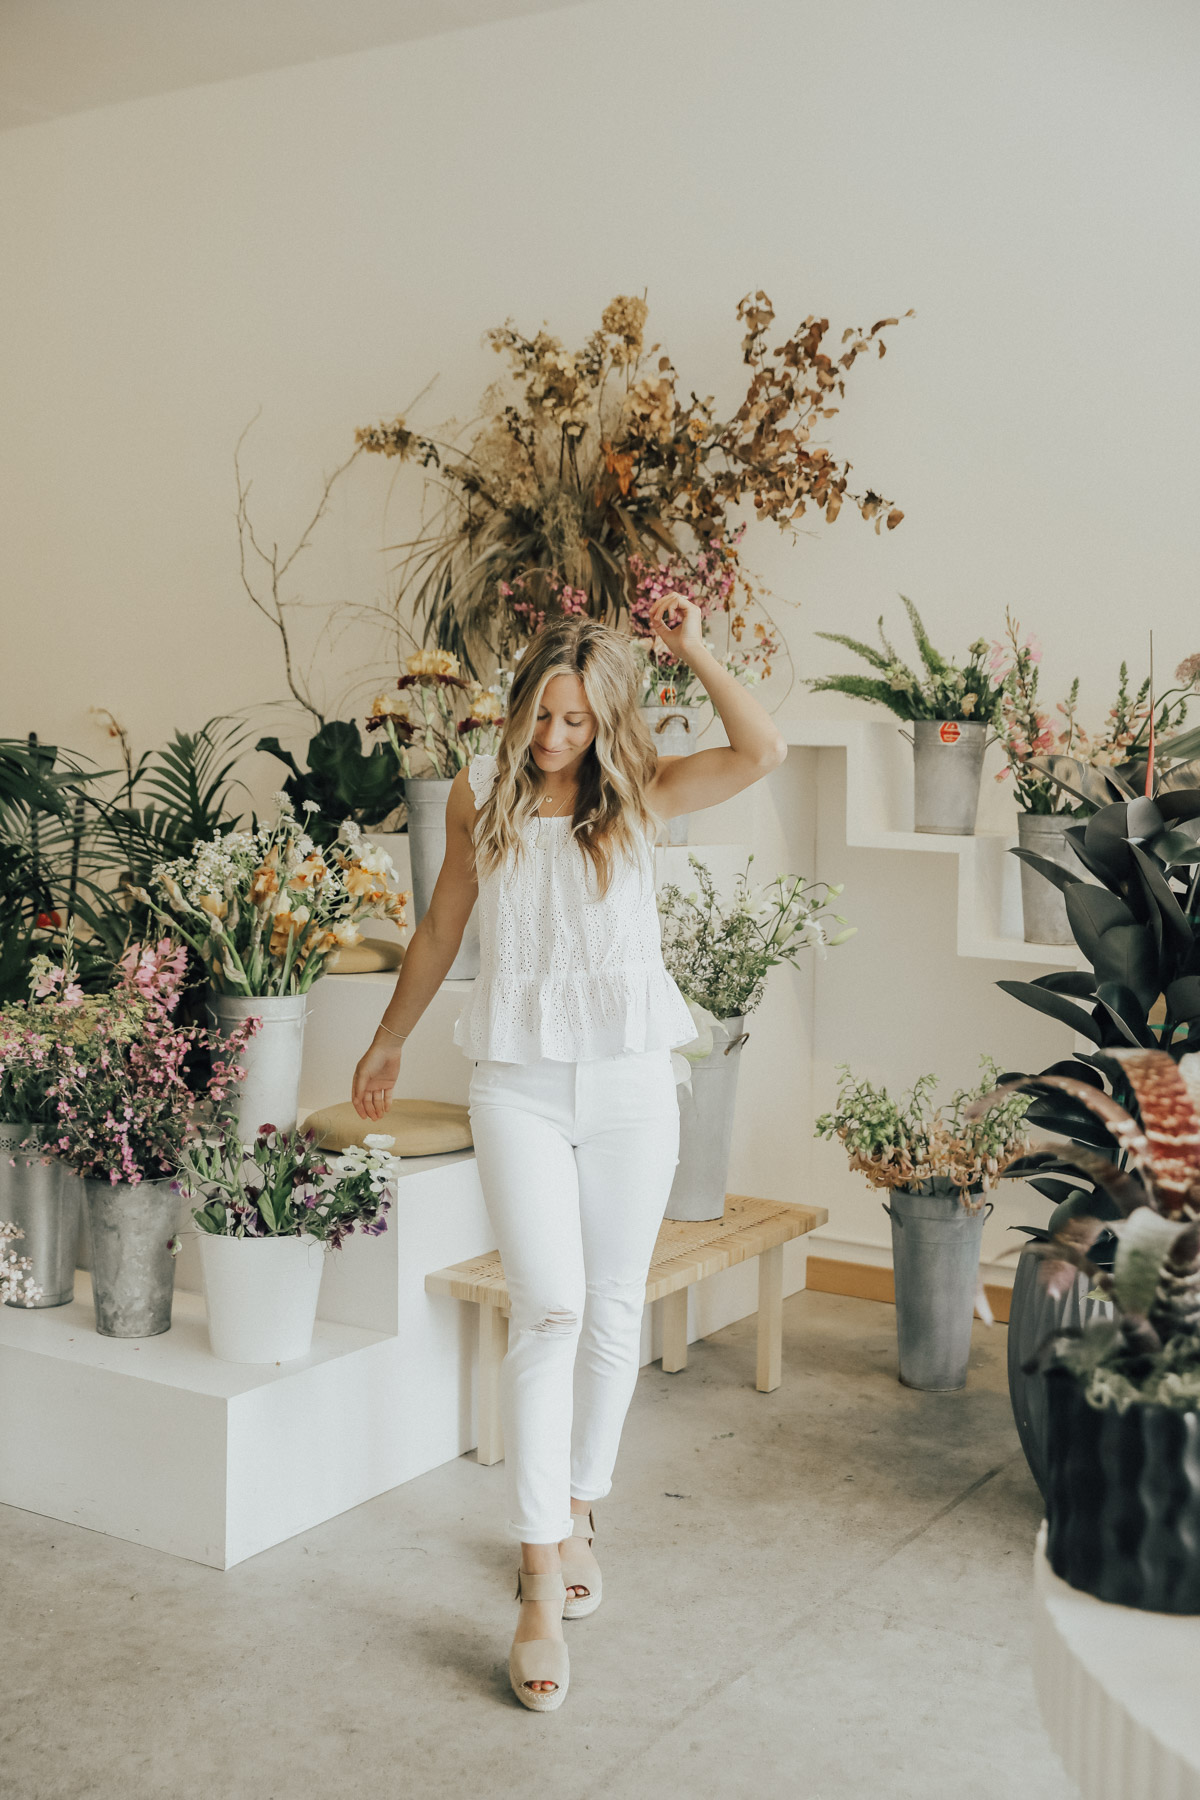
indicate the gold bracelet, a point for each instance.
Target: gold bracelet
{"x":396,"y":1034}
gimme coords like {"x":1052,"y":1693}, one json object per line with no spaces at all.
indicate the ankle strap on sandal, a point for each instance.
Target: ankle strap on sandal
{"x":546,"y":1585}
{"x":583,"y":1525}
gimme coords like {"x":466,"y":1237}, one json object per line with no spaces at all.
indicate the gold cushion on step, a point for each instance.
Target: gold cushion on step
{"x":365,"y":958}
{"x":420,"y":1127}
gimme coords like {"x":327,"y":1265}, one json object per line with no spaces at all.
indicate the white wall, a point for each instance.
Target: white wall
{"x":320,"y":241}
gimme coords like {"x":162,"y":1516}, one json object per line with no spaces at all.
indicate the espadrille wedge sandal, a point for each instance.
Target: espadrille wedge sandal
{"x":580,"y":1568}
{"x":540,"y":1659}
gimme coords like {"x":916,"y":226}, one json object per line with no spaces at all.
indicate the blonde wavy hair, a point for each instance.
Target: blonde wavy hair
{"x":617,"y":766}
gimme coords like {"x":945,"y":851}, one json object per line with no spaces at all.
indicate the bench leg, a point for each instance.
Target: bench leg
{"x":770,"y":1320}
{"x":493,"y":1347}
{"x":674,"y":1331}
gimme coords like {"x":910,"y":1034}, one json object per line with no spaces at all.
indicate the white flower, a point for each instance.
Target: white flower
{"x":375,"y":1140}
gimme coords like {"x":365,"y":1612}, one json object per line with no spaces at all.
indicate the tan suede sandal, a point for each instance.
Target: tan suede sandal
{"x":580,"y":1568}
{"x":540,"y":1659}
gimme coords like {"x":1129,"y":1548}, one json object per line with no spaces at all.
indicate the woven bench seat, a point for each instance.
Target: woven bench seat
{"x":684,"y":1254}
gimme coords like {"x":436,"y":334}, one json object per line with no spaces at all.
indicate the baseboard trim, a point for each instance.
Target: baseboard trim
{"x":871,"y":1281}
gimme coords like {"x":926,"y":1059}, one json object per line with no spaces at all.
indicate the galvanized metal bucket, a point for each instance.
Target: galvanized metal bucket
{"x":671,"y":729}
{"x":133,"y":1270}
{"x":935,"y":1258}
{"x":1044,"y":906}
{"x":947,"y":769}
{"x":706,"y":1126}
{"x":41,"y":1196}
{"x":269,"y":1095}
{"x":426,"y":797}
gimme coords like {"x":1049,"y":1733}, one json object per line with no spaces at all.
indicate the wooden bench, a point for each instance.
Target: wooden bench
{"x":684,"y":1254}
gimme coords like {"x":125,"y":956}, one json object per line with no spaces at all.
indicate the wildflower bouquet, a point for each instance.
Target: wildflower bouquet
{"x":129,"y":1097}
{"x":442,"y":714}
{"x":41,"y":1036}
{"x":904,"y":1143}
{"x":944,"y":691}
{"x":1030,"y":737}
{"x":17,"y":1286}
{"x":263,"y":909}
{"x":720,"y":955}
{"x":587,"y":456}
{"x":283,"y":1185}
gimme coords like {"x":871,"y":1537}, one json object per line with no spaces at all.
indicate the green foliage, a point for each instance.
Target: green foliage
{"x":943,"y":691}
{"x":340,"y":780}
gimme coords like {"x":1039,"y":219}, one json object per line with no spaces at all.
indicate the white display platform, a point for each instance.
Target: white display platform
{"x":1118,"y":1690}
{"x":154,"y":1440}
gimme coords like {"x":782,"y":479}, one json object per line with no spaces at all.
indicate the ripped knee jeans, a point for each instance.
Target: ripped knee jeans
{"x":576,"y":1162}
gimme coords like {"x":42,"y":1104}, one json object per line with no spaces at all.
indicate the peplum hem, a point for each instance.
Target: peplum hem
{"x":572,"y":1018}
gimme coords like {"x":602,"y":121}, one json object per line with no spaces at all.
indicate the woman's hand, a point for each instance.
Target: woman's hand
{"x":374,"y":1079}
{"x":679,"y":624}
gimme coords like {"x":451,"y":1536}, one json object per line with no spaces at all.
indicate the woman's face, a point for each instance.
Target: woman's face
{"x":565,"y":725}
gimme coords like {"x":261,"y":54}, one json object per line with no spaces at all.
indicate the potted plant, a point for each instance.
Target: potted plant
{"x":1033,"y":744}
{"x":674,"y":696}
{"x":266,"y":1214}
{"x":263,"y":910}
{"x":442,"y":719}
{"x":1124,"y":1393}
{"x":950,"y":708}
{"x":128,"y":1099}
{"x":37,"y":1038}
{"x":938,"y":1163}
{"x":340,"y":782}
{"x":720,"y":956}
{"x":1136,"y":923}
{"x":17,"y":1286}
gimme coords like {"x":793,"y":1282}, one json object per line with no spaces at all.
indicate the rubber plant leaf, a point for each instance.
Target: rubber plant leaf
{"x":1055,"y":1006}
{"x":1093,"y":911}
{"x":1062,"y":878}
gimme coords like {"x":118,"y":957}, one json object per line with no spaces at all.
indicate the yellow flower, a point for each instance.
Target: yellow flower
{"x":433,"y":662}
{"x":387,"y":706}
{"x":284,"y":926}
{"x":265,"y":880}
{"x":311,"y":872}
{"x":483,"y":704}
{"x":213,"y":904}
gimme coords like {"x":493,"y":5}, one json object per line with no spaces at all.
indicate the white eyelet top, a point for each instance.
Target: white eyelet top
{"x":564,"y":974}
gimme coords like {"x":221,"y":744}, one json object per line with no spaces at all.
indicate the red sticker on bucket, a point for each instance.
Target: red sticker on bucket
{"x":950,"y":731}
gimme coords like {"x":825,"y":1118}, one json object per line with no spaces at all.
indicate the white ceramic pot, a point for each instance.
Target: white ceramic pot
{"x":270,"y":1093}
{"x":261,"y":1295}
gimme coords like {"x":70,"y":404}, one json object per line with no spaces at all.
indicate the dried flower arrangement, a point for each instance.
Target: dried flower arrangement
{"x":1028,"y":735}
{"x":907,"y":1142}
{"x":944,"y":691}
{"x":720,"y":955}
{"x":263,"y":909}
{"x":283,"y":1185}
{"x":586,"y":458}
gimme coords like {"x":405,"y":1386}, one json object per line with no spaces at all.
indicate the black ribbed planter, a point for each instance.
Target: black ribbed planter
{"x":1123,"y":1500}
{"x":1035,"y":1316}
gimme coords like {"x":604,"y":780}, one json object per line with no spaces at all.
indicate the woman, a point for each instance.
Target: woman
{"x":570,"y":1026}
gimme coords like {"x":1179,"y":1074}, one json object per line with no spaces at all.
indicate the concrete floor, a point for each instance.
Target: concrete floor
{"x":821,"y":1593}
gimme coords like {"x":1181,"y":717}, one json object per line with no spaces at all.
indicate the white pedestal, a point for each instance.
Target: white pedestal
{"x":1118,"y":1692}
{"x":155,"y":1441}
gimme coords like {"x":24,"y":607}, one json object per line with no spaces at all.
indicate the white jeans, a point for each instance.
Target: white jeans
{"x":576,"y":1161}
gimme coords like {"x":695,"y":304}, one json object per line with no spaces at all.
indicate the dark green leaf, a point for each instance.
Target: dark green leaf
{"x":1092,"y":911}
{"x":1062,"y":878}
{"x":1055,"y":1006}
